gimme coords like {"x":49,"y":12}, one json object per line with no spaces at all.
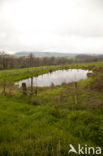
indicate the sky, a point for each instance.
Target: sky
{"x":73,"y":26}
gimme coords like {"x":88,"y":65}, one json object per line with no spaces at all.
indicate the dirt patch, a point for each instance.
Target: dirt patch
{"x":93,"y":103}
{"x":96,"y":85}
{"x":97,"y":74}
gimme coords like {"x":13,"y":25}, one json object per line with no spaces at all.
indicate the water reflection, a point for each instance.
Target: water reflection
{"x":56,"y":78}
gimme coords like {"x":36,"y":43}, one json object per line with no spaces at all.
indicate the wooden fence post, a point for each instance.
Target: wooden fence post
{"x":24,"y":88}
{"x":75,"y":93}
{"x":31,"y":85}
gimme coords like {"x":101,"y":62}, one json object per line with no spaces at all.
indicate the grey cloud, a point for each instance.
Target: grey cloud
{"x":79,"y":29}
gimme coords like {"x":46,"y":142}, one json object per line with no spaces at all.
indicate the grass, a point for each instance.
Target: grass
{"x":45,"y":125}
{"x":19,"y":74}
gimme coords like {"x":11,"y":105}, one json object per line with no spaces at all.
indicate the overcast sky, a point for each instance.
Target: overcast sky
{"x":51,"y":25}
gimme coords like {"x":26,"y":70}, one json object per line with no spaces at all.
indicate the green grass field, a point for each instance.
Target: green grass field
{"x":45,"y":124}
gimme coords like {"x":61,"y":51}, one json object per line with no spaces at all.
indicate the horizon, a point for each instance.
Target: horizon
{"x":63,"y":52}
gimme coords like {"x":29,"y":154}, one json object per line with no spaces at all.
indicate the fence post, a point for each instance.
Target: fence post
{"x":31,"y":85}
{"x":24,"y":88}
{"x":75,"y":93}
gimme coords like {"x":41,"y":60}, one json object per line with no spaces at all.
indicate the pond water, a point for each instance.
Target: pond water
{"x":56,"y":78}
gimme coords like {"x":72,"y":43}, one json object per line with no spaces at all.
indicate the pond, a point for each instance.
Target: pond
{"x":56,"y":78}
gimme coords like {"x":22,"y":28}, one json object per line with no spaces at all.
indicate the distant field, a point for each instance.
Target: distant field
{"x":45,"y":124}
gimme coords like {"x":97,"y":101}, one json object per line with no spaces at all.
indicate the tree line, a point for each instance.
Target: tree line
{"x":11,"y":62}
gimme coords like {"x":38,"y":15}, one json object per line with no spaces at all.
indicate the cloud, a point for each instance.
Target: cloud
{"x":57,"y":25}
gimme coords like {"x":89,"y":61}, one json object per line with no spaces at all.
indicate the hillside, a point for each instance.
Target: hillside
{"x":45,"y":54}
{"x":46,"y":123}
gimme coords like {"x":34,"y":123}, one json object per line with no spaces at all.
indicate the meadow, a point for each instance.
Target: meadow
{"x":44,"y":124}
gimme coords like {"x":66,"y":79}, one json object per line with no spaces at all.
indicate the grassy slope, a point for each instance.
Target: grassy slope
{"x":18,"y":74}
{"x":37,"y":125}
